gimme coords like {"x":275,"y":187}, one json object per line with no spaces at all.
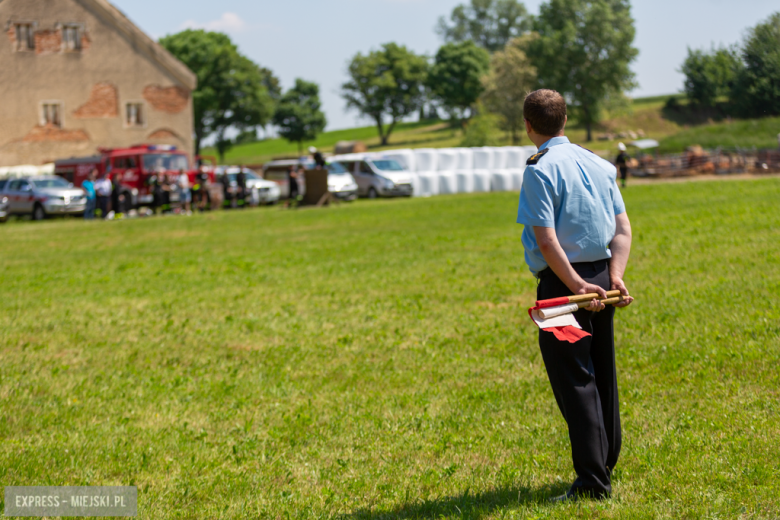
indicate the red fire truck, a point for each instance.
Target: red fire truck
{"x":134,"y":166}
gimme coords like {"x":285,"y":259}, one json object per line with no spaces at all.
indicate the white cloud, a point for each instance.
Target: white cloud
{"x":228,"y":22}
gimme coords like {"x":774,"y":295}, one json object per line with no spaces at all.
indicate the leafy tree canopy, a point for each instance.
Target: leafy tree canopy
{"x":298,"y":115}
{"x":510,"y":78}
{"x":709,"y":76}
{"x":231,"y":90}
{"x":386,"y":84}
{"x":758,"y":87}
{"x":456,"y":76}
{"x":489,"y":23}
{"x":584,"y":51}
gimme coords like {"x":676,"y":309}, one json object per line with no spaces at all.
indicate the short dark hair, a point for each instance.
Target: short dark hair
{"x":545,"y":109}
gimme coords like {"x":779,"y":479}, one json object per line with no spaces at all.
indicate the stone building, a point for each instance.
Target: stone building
{"x":76,"y":75}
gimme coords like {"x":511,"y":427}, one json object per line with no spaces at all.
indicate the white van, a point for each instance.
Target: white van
{"x":376,"y":176}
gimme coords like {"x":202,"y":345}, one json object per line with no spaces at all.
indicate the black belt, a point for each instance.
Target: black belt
{"x":575,"y":265}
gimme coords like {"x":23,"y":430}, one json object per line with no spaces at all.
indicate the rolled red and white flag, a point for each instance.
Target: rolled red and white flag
{"x":555,"y":315}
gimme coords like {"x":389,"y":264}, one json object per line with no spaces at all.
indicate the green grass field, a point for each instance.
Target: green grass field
{"x":375,"y":360}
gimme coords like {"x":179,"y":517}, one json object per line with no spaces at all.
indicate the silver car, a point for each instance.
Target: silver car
{"x":260,"y":190}
{"x":377,"y":177}
{"x":43,"y":196}
{"x":3,"y":202}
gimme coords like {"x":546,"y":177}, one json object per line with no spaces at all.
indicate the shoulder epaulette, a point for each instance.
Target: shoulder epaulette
{"x":535,"y":157}
{"x":591,"y":151}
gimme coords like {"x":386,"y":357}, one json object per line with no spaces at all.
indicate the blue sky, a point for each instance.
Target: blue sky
{"x":314,"y":39}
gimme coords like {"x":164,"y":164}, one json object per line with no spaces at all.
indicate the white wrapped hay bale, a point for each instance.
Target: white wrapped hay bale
{"x":483,"y":163}
{"x":516,"y":157}
{"x":483,"y":158}
{"x":499,"y":157}
{"x":447,"y":162}
{"x":464,"y":173}
{"x":425,"y":160}
{"x":465,"y":159}
{"x":429,"y":184}
{"x":500,"y":179}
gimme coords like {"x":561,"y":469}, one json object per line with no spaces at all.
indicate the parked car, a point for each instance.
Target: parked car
{"x":340,"y":182}
{"x":43,"y":196}
{"x":377,"y":177}
{"x":261,"y":190}
{"x":3,"y":202}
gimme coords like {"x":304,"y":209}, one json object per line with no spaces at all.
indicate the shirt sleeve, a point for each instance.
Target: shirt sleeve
{"x":617,"y":199}
{"x":536,"y":207}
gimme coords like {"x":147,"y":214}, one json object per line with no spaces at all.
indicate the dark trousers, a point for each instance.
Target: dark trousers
{"x":89,"y":209}
{"x":584,"y":382}
{"x":102,"y":203}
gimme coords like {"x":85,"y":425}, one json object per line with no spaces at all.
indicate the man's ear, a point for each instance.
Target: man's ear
{"x":528,"y":128}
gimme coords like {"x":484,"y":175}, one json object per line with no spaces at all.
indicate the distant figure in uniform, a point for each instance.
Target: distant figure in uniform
{"x":241,"y":184}
{"x":117,"y":197}
{"x":165,"y":186}
{"x":577,"y":239}
{"x":227,"y":196}
{"x":319,"y":160}
{"x":622,"y":163}
{"x":292,"y":186}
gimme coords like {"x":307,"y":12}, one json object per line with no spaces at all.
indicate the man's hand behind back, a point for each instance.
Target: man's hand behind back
{"x":587,"y":288}
{"x":617,"y":284}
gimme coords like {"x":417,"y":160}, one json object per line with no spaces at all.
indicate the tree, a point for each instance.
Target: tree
{"x":758,"y":85}
{"x":584,"y":51}
{"x":456,"y":76}
{"x":230,"y":91}
{"x":298,"y":115}
{"x":709,"y":76}
{"x":510,"y":78}
{"x":386,"y":84}
{"x":480,"y":130}
{"x":491,"y":24}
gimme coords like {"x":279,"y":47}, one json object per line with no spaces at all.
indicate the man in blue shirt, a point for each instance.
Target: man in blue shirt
{"x":577,"y":239}
{"x":89,"y":188}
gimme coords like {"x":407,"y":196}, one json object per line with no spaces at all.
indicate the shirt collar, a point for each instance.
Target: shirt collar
{"x":554,"y":141}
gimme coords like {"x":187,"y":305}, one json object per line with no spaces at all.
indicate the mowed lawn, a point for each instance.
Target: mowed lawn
{"x":376,"y":360}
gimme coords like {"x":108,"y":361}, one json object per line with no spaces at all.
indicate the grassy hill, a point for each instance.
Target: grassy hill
{"x":374,"y":360}
{"x":674,"y":129}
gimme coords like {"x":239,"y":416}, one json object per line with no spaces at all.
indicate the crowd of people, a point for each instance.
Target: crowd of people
{"x":106,"y":196}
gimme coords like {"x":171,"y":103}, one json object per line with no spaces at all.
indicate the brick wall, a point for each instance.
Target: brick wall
{"x":171,"y":100}
{"x":48,"y":41}
{"x":103,"y":102}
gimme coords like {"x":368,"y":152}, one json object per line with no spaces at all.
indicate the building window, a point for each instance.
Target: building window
{"x":71,"y":37}
{"x":25,"y":37}
{"x":134,"y":114}
{"x":51,"y":113}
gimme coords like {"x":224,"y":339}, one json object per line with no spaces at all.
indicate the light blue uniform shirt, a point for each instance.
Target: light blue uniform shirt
{"x":573,"y":191}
